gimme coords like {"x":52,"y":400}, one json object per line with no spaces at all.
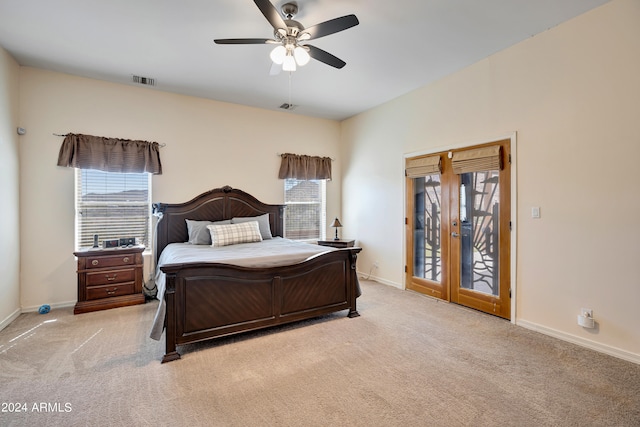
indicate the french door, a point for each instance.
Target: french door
{"x":458,"y":226}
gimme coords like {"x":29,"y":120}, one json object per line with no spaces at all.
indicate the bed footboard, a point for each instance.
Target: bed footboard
{"x":204,"y":301}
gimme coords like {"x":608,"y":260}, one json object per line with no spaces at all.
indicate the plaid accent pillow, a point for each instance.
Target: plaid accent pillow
{"x":231,"y":234}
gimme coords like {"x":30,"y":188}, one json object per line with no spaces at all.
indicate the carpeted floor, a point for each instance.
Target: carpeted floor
{"x":407,"y":361}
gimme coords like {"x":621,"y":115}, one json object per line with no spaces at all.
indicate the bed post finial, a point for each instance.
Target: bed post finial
{"x":227,"y":189}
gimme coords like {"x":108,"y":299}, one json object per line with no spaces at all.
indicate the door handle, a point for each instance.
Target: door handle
{"x":454,"y":234}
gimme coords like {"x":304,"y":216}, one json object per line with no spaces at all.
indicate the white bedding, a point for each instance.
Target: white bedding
{"x":268,"y":253}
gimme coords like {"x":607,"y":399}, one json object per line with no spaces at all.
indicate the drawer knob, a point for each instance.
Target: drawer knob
{"x":125,"y":259}
{"x":94,"y":262}
{"x":112,"y":278}
{"x":111,"y":292}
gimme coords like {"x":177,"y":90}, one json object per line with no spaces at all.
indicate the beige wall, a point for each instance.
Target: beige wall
{"x":208,"y":144}
{"x":572,"y":94}
{"x":9,"y":190}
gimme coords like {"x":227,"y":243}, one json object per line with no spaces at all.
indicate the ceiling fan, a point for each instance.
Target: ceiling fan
{"x":291,"y":37}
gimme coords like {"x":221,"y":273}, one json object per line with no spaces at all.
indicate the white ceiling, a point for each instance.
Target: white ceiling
{"x":399,"y":45}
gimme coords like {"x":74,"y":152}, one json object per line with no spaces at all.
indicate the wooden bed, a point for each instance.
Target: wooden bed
{"x":207,"y":300}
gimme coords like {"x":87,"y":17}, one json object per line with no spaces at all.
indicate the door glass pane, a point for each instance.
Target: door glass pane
{"x":479,"y":196}
{"x":426,"y":229}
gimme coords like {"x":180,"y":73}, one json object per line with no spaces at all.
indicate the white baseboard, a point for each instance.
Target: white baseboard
{"x":365,"y":276}
{"x":13,"y":316}
{"x":602,"y":348}
{"x":53,"y":306}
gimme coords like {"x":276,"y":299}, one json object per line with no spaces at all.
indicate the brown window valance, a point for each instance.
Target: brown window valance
{"x":109,"y":154}
{"x":304,"y":167}
{"x":422,"y":166}
{"x":478,"y":159}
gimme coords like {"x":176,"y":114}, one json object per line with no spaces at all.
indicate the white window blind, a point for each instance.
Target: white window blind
{"x":305,"y":217}
{"x":112,"y":205}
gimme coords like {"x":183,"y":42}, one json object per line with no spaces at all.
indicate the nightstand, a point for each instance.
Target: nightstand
{"x":340,"y":243}
{"x":109,"y":278}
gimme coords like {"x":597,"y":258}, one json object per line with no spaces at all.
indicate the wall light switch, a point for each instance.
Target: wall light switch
{"x":535,"y":212}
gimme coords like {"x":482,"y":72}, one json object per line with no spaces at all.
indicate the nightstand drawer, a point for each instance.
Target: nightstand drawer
{"x":111,"y":277}
{"x":108,"y":291}
{"x":110,"y":261}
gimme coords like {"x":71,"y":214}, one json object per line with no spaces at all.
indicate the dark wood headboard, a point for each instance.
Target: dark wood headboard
{"x":214,"y":205}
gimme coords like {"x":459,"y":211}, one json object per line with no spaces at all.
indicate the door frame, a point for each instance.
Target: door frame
{"x":514,"y":206}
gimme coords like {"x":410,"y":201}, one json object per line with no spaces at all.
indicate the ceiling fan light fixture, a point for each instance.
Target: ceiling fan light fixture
{"x":289,"y":63}
{"x":278,"y":54}
{"x":290,"y":35}
{"x":301,"y":55}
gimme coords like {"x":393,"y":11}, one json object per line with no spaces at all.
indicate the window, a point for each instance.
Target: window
{"x":112,"y":205}
{"x":305,"y":217}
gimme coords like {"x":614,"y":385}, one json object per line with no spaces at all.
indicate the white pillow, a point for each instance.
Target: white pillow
{"x":231,"y":234}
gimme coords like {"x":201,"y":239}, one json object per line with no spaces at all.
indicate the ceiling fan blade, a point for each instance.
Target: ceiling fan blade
{"x":271,"y":13}
{"x":324,"y":56}
{"x":332,"y":26}
{"x":243,"y":41}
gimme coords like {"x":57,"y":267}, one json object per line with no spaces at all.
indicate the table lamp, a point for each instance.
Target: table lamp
{"x":336,"y":224}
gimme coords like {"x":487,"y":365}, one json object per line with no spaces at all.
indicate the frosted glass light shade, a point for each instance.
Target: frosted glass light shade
{"x":301,"y":55}
{"x":289,"y":64}
{"x":278,"y":54}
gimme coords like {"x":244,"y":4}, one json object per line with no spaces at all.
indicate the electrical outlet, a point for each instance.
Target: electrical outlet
{"x":375,"y":264}
{"x":585,"y":318}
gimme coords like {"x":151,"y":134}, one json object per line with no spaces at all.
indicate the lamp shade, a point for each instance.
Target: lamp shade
{"x":301,"y":55}
{"x":277,"y":54}
{"x":289,"y":63}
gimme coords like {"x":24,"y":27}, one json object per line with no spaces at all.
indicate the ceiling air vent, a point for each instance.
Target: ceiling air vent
{"x":147,"y":81}
{"x":287,"y":106}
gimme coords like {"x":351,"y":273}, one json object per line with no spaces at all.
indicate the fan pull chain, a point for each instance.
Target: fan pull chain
{"x":290,"y":76}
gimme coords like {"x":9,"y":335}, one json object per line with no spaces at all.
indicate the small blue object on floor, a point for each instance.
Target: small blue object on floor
{"x":44,"y":309}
